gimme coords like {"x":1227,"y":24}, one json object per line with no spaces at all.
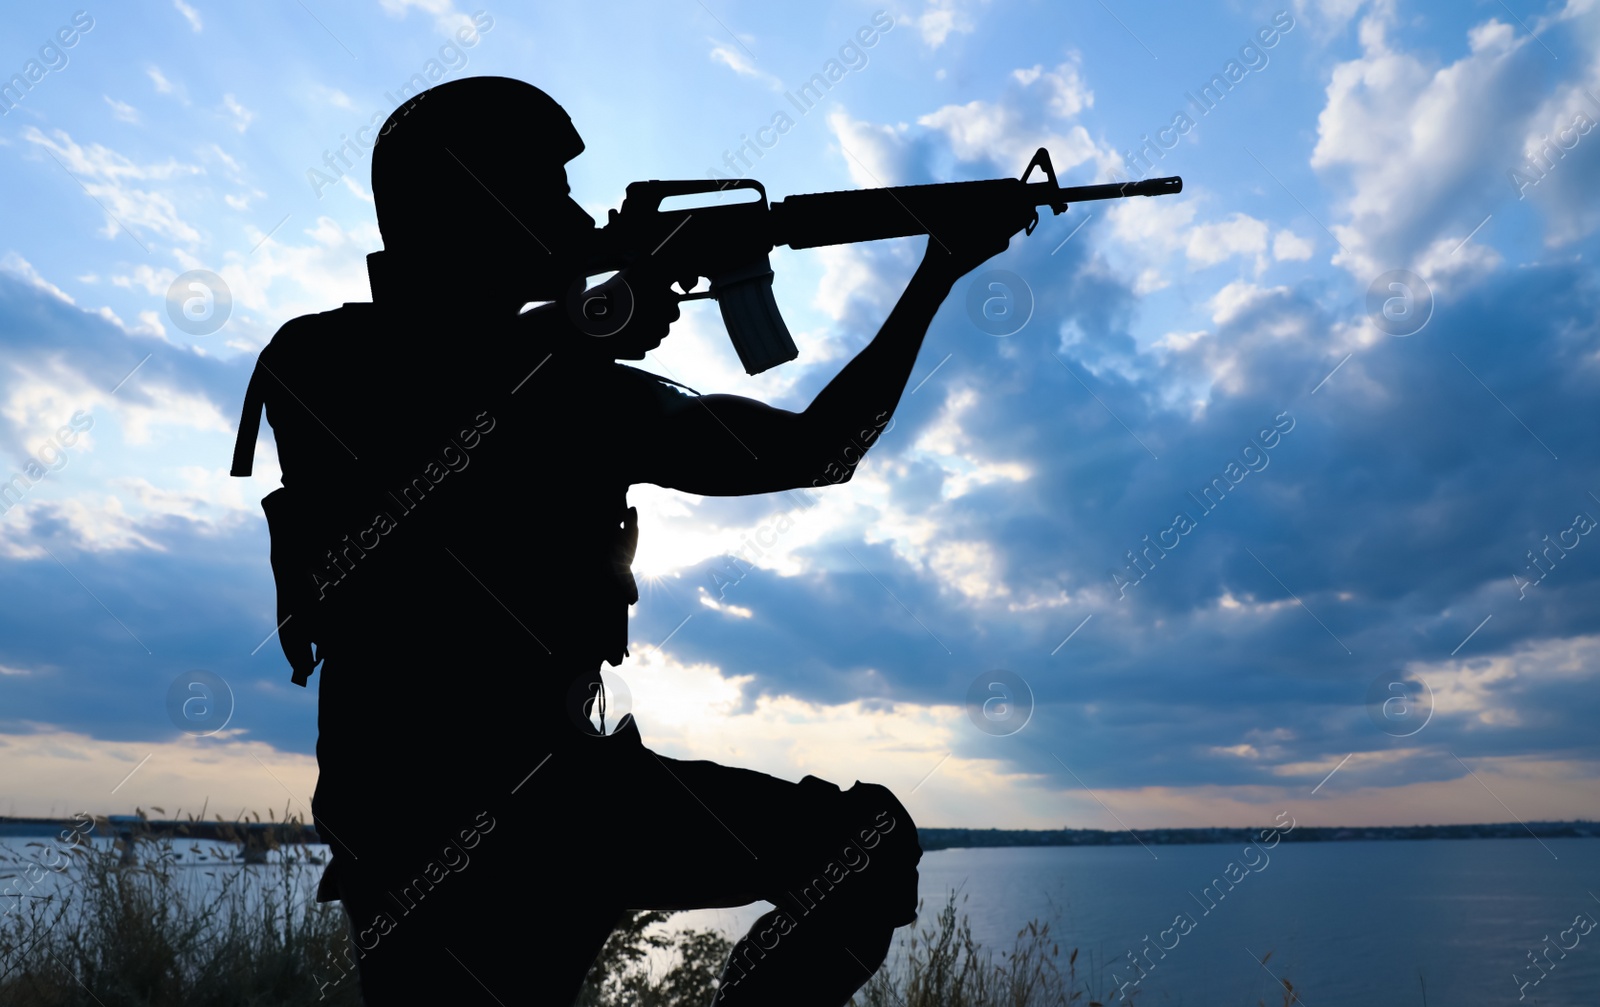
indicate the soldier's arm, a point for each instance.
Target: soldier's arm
{"x":727,"y":445}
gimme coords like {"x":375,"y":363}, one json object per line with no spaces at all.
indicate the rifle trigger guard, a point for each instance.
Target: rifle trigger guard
{"x":1032,"y":223}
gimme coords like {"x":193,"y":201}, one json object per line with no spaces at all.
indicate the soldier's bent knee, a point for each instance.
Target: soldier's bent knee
{"x":865,"y":857}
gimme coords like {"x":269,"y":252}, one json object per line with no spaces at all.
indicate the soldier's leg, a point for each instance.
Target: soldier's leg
{"x":503,"y":931}
{"x":843,"y":892}
{"x":839,"y":867}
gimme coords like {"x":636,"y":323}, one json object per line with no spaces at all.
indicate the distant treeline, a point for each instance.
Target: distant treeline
{"x":932,"y":839}
{"x":945,"y":839}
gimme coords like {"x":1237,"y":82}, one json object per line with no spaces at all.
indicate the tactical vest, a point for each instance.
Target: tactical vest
{"x":314,"y":519}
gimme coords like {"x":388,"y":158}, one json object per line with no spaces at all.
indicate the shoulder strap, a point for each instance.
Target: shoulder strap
{"x":656,"y":377}
{"x":244,"y":446}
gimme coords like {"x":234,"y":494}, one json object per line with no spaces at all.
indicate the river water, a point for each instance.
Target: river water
{"x":1378,"y":923}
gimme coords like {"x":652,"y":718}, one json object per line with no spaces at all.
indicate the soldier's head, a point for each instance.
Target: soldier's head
{"x":468,"y":178}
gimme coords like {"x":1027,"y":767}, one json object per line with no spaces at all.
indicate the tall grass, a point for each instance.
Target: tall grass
{"x":165,"y":927}
{"x":154,"y":925}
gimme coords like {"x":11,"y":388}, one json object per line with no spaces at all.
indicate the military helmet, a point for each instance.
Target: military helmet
{"x":464,"y":147}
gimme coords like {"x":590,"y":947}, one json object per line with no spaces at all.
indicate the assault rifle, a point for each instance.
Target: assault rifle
{"x":730,"y":244}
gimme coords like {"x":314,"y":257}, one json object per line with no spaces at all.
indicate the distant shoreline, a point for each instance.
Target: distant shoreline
{"x":931,"y":838}
{"x":946,"y":839}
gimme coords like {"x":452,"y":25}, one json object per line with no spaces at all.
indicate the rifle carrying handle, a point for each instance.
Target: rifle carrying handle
{"x":751,"y":315}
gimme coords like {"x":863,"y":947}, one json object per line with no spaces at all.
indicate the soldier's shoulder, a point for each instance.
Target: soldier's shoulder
{"x":317,"y":334}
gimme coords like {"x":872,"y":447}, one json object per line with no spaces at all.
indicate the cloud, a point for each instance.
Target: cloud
{"x":189,"y":13}
{"x":1154,"y":229}
{"x":17,"y":266}
{"x":109,"y":178}
{"x":1241,"y":234}
{"x":1288,"y":246}
{"x":1005,"y":133}
{"x":1068,"y":94}
{"x":159,"y":80}
{"x":739,"y":61}
{"x":446,"y":18}
{"x":1409,"y":135}
{"x":335,"y":97}
{"x":122,"y":110}
{"x":943,"y":18}
{"x":181,"y":773}
{"x":242,"y":117}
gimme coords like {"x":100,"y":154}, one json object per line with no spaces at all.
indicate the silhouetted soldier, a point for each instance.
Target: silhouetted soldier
{"x":453,"y":536}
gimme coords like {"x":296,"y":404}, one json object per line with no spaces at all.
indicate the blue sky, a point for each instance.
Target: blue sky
{"x":1380,"y":529}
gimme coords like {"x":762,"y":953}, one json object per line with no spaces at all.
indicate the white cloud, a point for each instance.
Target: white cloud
{"x":1067,"y":93}
{"x":873,"y":153}
{"x":1240,"y":234}
{"x":335,"y":97}
{"x":1330,"y":17}
{"x":1004,"y":134}
{"x":855,"y":277}
{"x":159,"y":79}
{"x":1412,"y":135}
{"x":1010,"y":130}
{"x":1288,"y":246}
{"x":328,"y":270}
{"x":1229,"y":302}
{"x":1150,"y":280}
{"x":1486,"y":690}
{"x":16,"y":265}
{"x":107,"y":176}
{"x":1453,"y":263}
{"x":242,"y":117}
{"x":737,"y":611}
{"x":356,"y":189}
{"x":188,"y":12}
{"x":446,"y":19}
{"x":943,"y":18}
{"x":736,"y":59}
{"x":122,"y":110}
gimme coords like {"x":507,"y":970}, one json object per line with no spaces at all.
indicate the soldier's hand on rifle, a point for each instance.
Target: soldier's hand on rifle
{"x":626,"y":316}
{"x":958,"y":245}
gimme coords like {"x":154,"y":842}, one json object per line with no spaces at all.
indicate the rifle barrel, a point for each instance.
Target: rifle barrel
{"x":1170,"y":186}
{"x":852,"y":215}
